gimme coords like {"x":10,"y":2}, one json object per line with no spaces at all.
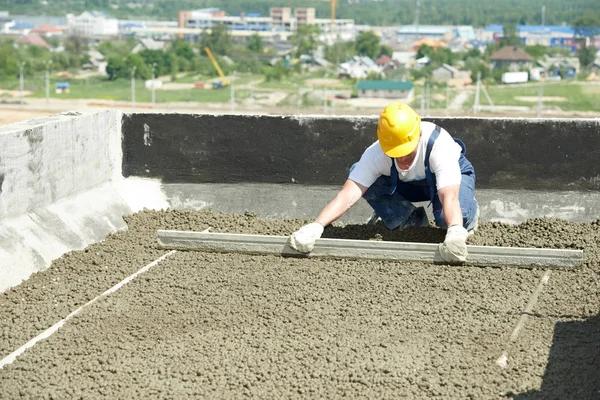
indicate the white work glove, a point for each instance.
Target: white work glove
{"x":454,"y":248}
{"x":304,"y":238}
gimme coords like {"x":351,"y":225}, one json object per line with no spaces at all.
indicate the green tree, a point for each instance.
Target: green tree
{"x":587,"y":26}
{"x":9,"y":60}
{"x":182,"y":49}
{"x":218,"y":40}
{"x":276,"y":72}
{"x":536,"y":51}
{"x":161,"y":59}
{"x":305,"y":39}
{"x":586,"y":56}
{"x":386,"y":50}
{"x":340,"y":52}
{"x":438,"y":56}
{"x":368,"y":44}
{"x":115,"y":67}
{"x":510,"y":37}
{"x":255,"y":43}
{"x":76,"y":44}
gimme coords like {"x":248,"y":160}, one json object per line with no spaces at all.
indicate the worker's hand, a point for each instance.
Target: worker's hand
{"x":304,"y":238}
{"x":454,"y":248}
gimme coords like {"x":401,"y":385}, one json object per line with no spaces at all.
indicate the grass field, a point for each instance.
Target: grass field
{"x":568,"y":96}
{"x":120,"y":90}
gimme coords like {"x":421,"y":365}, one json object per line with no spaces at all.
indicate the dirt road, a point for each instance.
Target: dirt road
{"x":231,"y":326}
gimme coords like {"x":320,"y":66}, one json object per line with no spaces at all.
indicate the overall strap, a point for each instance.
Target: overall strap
{"x":428,"y":174}
{"x":430,"y":142}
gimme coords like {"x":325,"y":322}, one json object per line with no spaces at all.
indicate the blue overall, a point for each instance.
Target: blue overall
{"x":392,"y":198}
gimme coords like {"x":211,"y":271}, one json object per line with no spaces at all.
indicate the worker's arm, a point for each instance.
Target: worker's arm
{"x":450,"y":206}
{"x":304,"y":238}
{"x":454,"y":247}
{"x":348,"y":195}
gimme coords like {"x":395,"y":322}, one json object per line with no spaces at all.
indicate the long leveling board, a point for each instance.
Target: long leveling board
{"x":367,"y":249}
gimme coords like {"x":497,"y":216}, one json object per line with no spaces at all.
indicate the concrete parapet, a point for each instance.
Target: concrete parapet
{"x":556,"y":154}
{"x":61,"y":189}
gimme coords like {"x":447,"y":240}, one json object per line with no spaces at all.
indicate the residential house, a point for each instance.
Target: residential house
{"x":560,"y":67}
{"x":512,"y":58}
{"x":359,"y":67}
{"x":148,"y":44}
{"x":97,"y":61}
{"x":33,"y":39}
{"x":386,"y":62}
{"x":451,"y":75}
{"x":404,"y":59}
{"x":387,"y":89}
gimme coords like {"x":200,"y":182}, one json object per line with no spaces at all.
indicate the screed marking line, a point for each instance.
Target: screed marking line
{"x":9,"y":359}
{"x":502,"y":361}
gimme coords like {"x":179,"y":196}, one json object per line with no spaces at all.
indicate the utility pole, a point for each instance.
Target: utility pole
{"x":543,"y":15}
{"x":476,"y":103}
{"x":133,"y":86}
{"x":21,"y":80}
{"x":540,"y":100}
{"x":428,"y":98}
{"x":47,"y":80}
{"x":447,"y":95}
{"x":417,"y":16}
{"x":423,"y":99}
{"x":153,"y":83}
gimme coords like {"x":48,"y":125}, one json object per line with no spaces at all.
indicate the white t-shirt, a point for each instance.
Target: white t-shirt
{"x":443,"y":161}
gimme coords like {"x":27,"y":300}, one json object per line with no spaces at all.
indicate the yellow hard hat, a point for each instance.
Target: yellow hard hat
{"x":398,"y":129}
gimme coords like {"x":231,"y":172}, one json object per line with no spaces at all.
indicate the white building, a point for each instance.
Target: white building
{"x":359,"y":68}
{"x":92,"y":24}
{"x":280,"y":19}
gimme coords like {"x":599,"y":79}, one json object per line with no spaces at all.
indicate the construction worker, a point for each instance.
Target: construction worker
{"x":412,"y":161}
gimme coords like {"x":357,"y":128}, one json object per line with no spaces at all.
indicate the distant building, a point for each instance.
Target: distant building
{"x":280,"y":19}
{"x":414,"y":32}
{"x":92,"y":24}
{"x":17,"y":28}
{"x":451,"y":75}
{"x":62,"y":87}
{"x":33,"y":39}
{"x":359,"y":67}
{"x":4,"y":20}
{"x":511,"y":57}
{"x":545,"y":35}
{"x":97,"y":61}
{"x":305,"y":16}
{"x":405,"y":59}
{"x":560,"y":67}
{"x":399,"y":90}
{"x":148,"y":44}
{"x":47,"y":30}
{"x":436,"y":44}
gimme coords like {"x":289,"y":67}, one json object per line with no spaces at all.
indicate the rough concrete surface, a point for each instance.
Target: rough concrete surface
{"x":234,"y":326}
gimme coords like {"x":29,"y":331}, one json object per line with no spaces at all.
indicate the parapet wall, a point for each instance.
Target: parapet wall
{"x":58,"y":191}
{"x":556,"y":154}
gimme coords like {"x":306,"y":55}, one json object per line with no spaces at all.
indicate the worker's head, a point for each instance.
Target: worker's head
{"x":398,"y":129}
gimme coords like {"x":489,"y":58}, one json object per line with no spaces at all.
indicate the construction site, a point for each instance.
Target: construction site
{"x":144,"y":255}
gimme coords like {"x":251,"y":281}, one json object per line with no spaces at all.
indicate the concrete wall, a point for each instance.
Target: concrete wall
{"x":556,"y":154}
{"x":61,"y":189}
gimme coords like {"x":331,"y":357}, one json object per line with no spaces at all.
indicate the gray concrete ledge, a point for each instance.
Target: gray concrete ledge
{"x":299,"y":201}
